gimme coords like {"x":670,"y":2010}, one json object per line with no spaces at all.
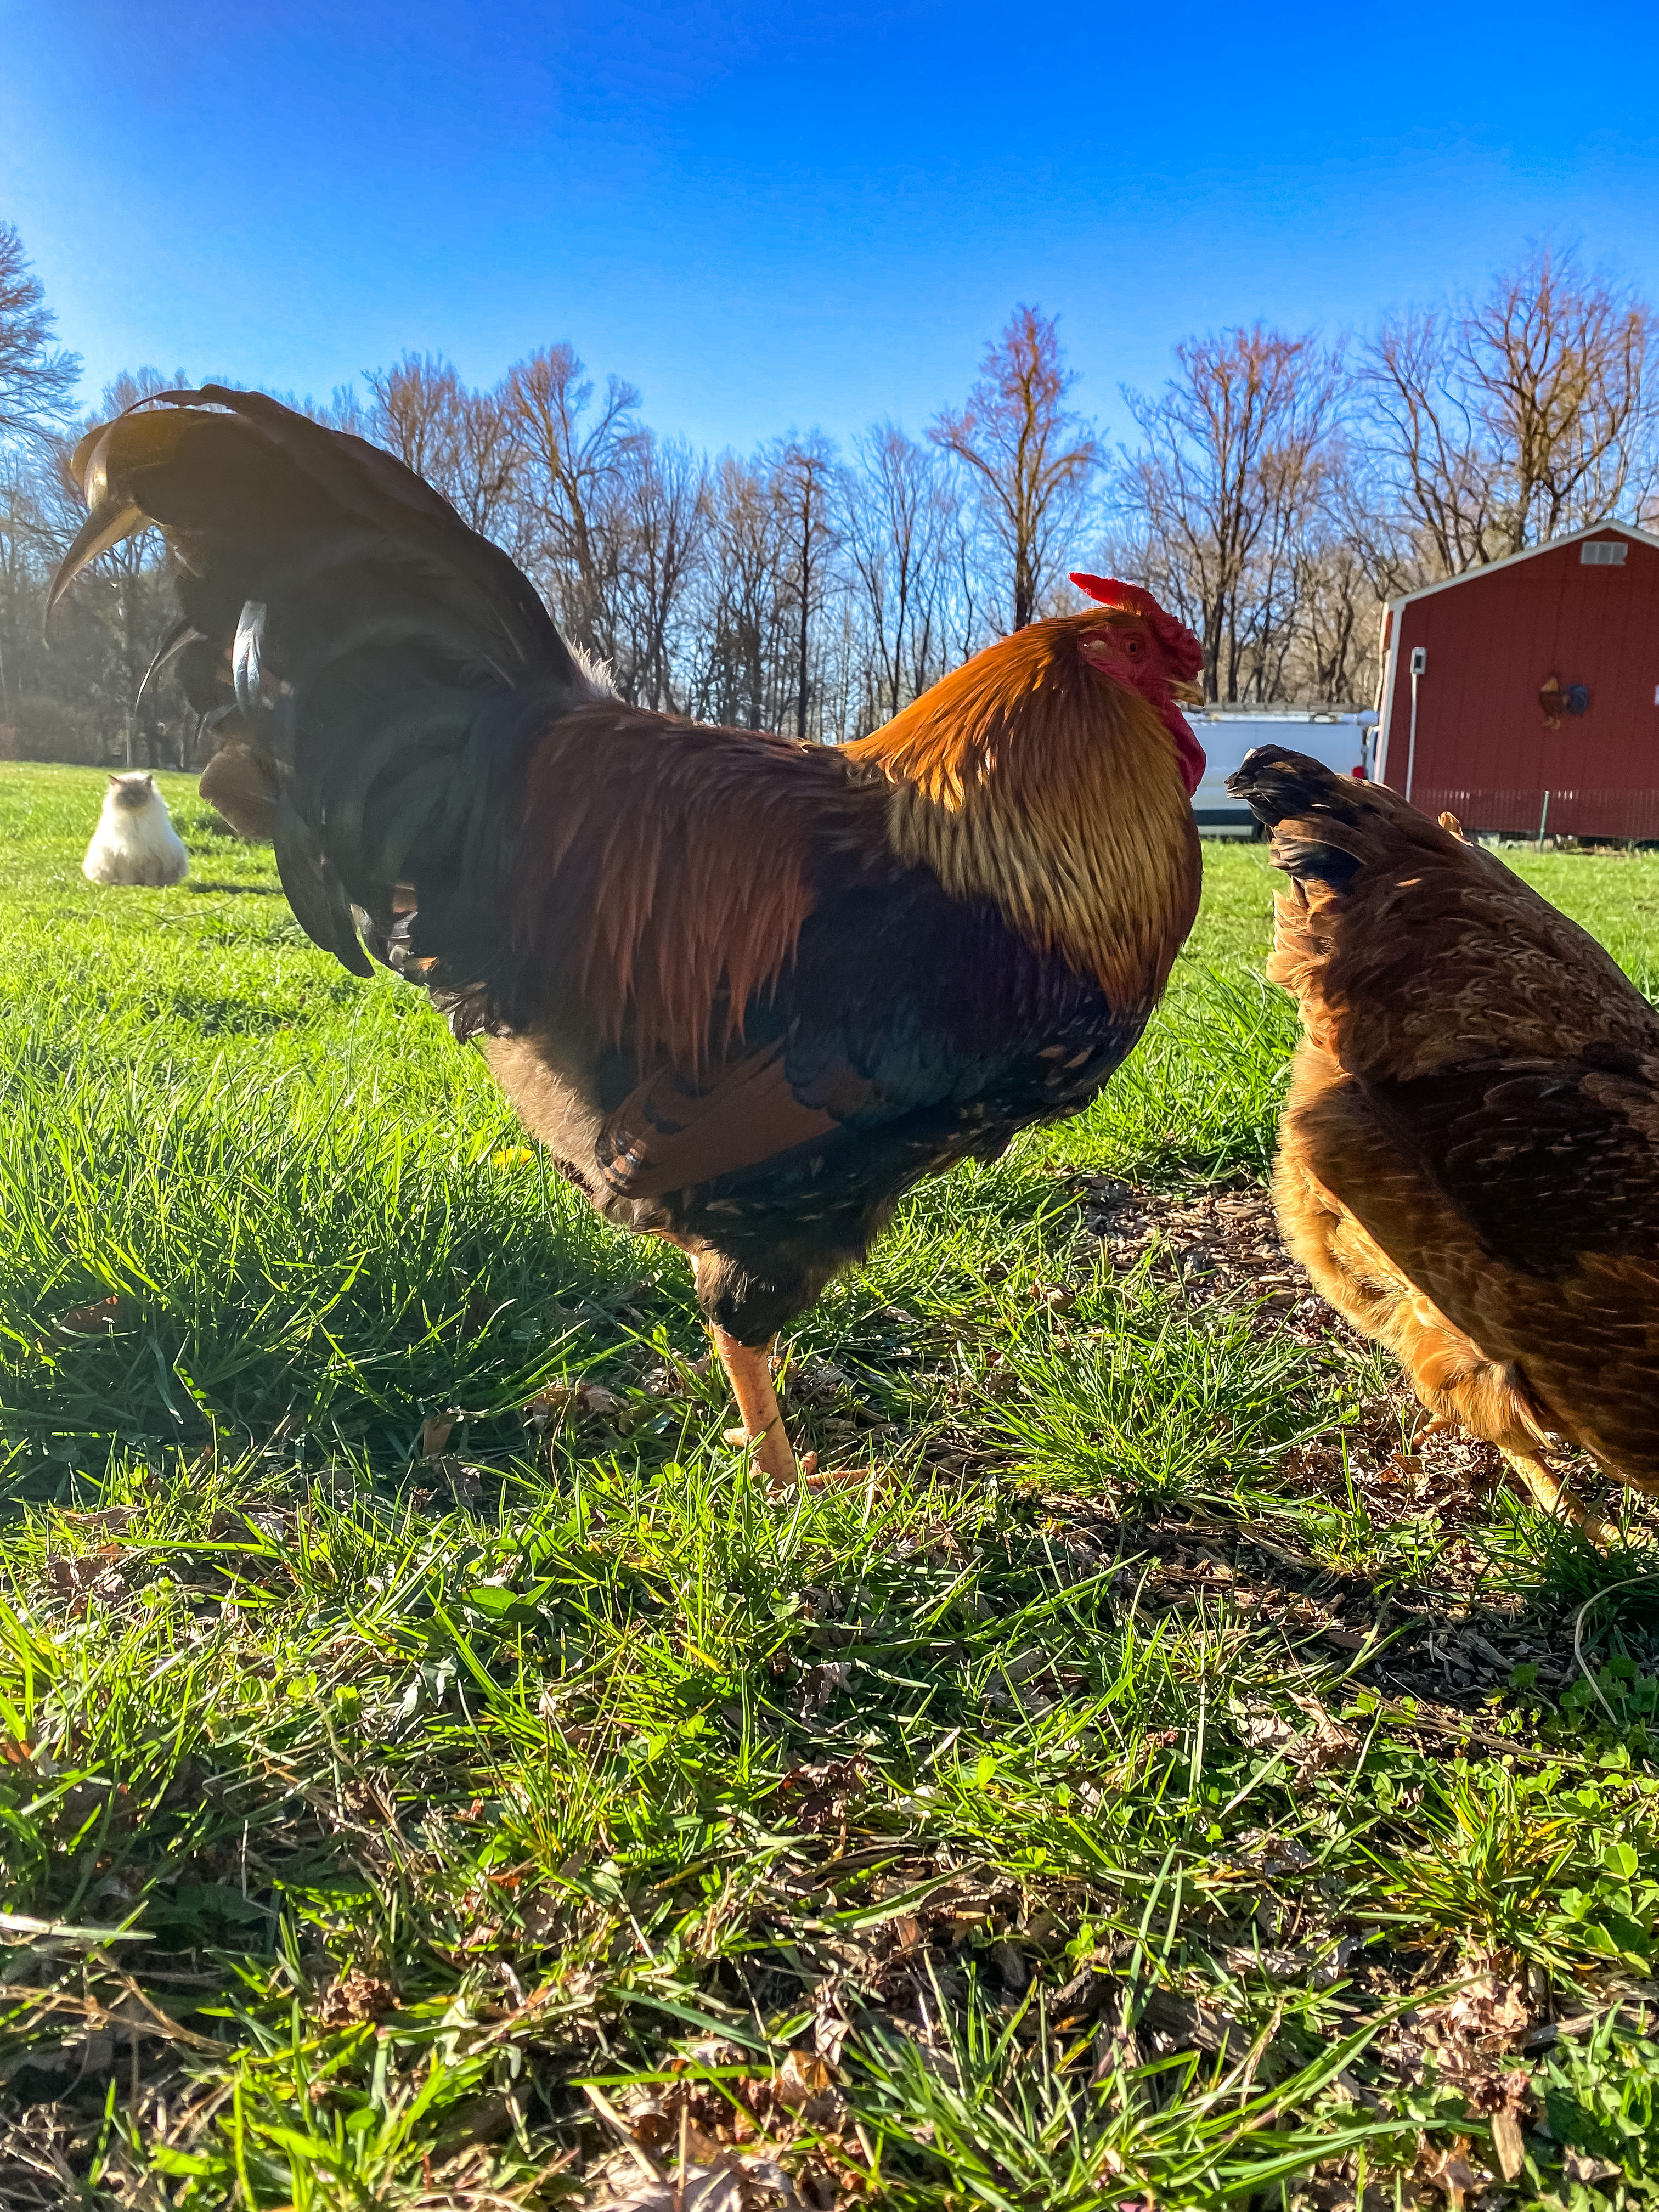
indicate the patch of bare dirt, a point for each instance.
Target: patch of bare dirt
{"x":1220,"y":1243}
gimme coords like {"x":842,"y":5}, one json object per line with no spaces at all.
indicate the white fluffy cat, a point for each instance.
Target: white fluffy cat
{"x":135,"y":842}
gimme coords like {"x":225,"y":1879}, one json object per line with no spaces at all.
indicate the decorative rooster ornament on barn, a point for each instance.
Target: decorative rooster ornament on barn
{"x":1558,"y":699}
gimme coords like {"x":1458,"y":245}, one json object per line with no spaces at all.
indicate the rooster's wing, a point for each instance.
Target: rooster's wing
{"x":911,"y":1030}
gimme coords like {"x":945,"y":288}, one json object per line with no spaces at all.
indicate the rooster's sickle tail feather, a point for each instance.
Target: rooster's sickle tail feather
{"x":382,"y":669}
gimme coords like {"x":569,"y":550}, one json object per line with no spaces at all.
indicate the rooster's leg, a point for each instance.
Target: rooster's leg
{"x":749,"y":1366}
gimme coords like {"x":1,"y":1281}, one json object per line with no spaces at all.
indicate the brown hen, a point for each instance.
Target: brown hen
{"x":1469,"y":1162}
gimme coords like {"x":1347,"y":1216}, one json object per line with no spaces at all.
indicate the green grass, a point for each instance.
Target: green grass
{"x":399,"y":1831}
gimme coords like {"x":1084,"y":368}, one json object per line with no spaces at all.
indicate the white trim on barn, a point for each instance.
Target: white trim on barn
{"x":1391,"y":613}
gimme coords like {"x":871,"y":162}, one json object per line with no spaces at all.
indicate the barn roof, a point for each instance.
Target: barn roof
{"x":1531,"y":553}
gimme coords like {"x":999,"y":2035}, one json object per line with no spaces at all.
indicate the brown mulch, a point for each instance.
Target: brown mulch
{"x":1220,"y":1243}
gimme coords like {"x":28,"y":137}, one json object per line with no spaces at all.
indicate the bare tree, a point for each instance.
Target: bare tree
{"x":1336,"y":605}
{"x":1357,"y":551}
{"x":1500,"y":422}
{"x":138,"y":606}
{"x":1426,"y":437}
{"x":37,"y":378}
{"x":1031,"y":459}
{"x":24,"y":543}
{"x":489,"y":462}
{"x":1561,"y":362}
{"x":1272,"y":499}
{"x":574,"y":466}
{"x":665,"y":499}
{"x":1226,"y":479}
{"x":414,"y":413}
{"x":744,"y":614}
{"x":342,"y":410}
{"x":804,"y":490}
{"x":461,"y":441}
{"x":899,"y":513}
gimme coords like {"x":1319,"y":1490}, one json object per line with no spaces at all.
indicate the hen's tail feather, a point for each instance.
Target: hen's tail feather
{"x":1326,"y":829}
{"x":392,"y":669}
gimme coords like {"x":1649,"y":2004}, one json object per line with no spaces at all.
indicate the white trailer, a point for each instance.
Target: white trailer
{"x":1343,"y":742}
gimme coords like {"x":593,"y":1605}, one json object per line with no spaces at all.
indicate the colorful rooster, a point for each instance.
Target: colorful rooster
{"x":747,"y":991}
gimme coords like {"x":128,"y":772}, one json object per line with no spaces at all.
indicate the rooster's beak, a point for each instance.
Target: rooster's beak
{"x":1188,"y":695}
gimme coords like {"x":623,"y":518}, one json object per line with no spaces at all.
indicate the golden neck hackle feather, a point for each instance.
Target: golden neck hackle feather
{"x":1030,"y":778}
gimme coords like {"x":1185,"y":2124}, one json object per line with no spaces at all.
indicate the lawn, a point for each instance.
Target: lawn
{"x":432,"y":1774}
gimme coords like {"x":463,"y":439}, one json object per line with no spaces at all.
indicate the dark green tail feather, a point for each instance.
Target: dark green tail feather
{"x":312,"y":890}
{"x":401,"y":676}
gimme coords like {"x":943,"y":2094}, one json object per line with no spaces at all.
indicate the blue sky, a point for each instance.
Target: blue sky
{"x":772,"y":217}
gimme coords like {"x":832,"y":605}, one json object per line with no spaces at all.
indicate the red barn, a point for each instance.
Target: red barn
{"x":1524,"y":696}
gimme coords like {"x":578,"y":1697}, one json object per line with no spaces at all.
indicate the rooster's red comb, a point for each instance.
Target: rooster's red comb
{"x":1186,"y":653}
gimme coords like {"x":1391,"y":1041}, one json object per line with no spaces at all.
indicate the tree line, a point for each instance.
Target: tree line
{"x":1274,"y":493}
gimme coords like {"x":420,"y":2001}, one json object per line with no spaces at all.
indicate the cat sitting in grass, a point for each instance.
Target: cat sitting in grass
{"x":135,"y":842}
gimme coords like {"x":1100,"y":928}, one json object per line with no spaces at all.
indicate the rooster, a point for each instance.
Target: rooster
{"x":1468,"y":1158}
{"x":747,"y":991}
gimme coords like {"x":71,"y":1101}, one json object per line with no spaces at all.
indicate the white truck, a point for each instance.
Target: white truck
{"x":1343,"y":742}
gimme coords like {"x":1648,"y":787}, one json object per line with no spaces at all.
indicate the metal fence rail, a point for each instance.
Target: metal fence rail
{"x":1576,"y":812}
